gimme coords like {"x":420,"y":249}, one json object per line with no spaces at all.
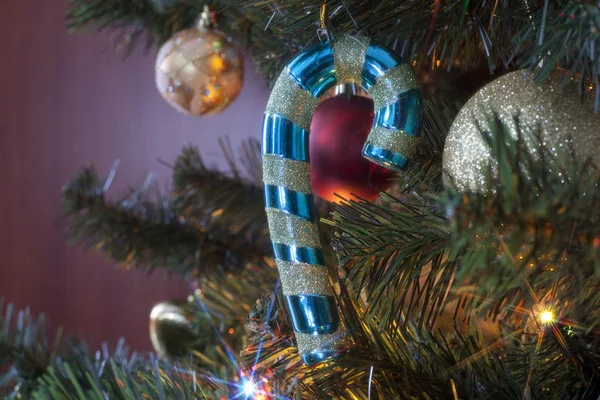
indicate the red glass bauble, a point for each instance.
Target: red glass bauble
{"x":338,"y":131}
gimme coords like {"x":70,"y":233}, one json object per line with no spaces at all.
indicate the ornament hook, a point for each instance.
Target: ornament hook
{"x":326,"y":22}
{"x":206,"y":20}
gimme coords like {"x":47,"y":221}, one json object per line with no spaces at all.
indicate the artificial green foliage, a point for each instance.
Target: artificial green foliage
{"x":421,"y":364}
{"x":383,"y":248}
{"x":37,"y":365}
{"x":195,"y":231}
{"x":134,"y":18}
{"x":24,"y":350}
{"x":458,"y":33}
{"x":534,"y":241}
{"x":425,"y":174}
{"x":565,"y":32}
{"x":225,"y":199}
{"x":227,"y":300}
{"x":489,"y":265}
{"x":401,"y":243}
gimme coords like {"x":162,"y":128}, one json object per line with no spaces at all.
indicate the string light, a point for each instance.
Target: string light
{"x":547,"y":317}
{"x":248,"y":388}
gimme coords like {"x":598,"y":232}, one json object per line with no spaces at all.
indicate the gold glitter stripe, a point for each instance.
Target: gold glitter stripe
{"x":302,"y":278}
{"x":395,"y":81}
{"x":332,"y":341}
{"x":394,"y":140}
{"x":292,"y":102}
{"x":291,"y":174}
{"x":288,"y":229}
{"x":349,"y":54}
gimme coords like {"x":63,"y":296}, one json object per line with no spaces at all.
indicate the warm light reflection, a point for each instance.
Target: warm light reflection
{"x":547,"y":317}
{"x":249,"y":388}
{"x":216,"y":63}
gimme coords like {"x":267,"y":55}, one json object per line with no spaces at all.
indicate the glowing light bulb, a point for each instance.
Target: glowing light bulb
{"x":547,"y":317}
{"x":248,"y":388}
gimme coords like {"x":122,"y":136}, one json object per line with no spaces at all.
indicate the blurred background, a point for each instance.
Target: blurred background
{"x":68,"y":101}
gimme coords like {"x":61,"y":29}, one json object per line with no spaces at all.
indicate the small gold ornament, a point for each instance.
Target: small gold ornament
{"x":556,"y":113}
{"x":199,"y":71}
{"x":172,"y":329}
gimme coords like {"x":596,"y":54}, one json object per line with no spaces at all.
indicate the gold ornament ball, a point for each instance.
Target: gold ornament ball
{"x":199,"y":71}
{"x":554,"y":112}
{"x":172,"y":331}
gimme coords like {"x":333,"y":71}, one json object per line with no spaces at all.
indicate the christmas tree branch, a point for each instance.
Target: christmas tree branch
{"x":425,"y":173}
{"x":489,"y":272}
{"x":229,"y":297}
{"x":133,"y":19}
{"x":32,"y":368}
{"x":396,"y":245}
{"x":533,"y":244}
{"x":455,"y":34}
{"x":416,"y":363}
{"x":24,"y":350}
{"x":565,"y":32}
{"x":403,"y":241}
{"x":165,"y":233}
{"x":224,"y":198}
{"x":536,"y":234}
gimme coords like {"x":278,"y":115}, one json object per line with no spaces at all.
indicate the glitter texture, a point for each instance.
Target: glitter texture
{"x":302,"y":278}
{"x":349,"y":54}
{"x":294,"y":237}
{"x":291,"y":174}
{"x":563,"y":120}
{"x":393,"y":140}
{"x":199,"y":71}
{"x":292,"y":102}
{"x":288,"y":229}
{"x":308,"y":343}
{"x":392,"y":84}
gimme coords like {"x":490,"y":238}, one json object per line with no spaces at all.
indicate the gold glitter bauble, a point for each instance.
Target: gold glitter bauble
{"x":555,"y":113}
{"x":199,"y":71}
{"x":172,"y":331}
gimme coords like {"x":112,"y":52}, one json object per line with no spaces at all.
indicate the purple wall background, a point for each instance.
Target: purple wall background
{"x":67,"y":101}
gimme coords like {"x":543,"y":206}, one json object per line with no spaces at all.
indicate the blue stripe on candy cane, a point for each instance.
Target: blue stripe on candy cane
{"x":388,"y":159}
{"x":405,"y":114}
{"x":309,"y":255}
{"x":312,"y":313}
{"x":379,"y":60}
{"x":313,"y":69}
{"x":284,"y":138}
{"x":290,"y":201}
{"x":315,"y":315}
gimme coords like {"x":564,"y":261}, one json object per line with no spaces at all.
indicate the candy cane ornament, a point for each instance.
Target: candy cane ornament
{"x":288,"y":196}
